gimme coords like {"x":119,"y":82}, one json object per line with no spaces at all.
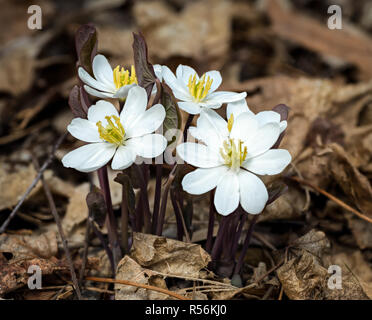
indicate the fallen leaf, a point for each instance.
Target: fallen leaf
{"x":169,"y":256}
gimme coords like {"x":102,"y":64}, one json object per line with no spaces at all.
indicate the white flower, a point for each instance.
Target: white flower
{"x":198,"y":93}
{"x":233,"y":153}
{"x":109,"y":83}
{"x":238,"y":107}
{"x":119,"y":137}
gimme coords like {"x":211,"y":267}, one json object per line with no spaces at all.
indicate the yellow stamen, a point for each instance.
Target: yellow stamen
{"x":233,"y":154}
{"x":199,"y":89}
{"x":113,"y":132}
{"x":123,"y":78}
{"x":230,"y":122}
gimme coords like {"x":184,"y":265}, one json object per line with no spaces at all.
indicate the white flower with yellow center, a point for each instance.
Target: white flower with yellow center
{"x":196,"y":93}
{"x":118,"y":137}
{"x":109,"y":83}
{"x":233,"y":153}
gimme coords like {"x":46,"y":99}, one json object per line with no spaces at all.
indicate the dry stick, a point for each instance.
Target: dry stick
{"x":144,"y":198}
{"x":138,"y":285}
{"x":53,"y":208}
{"x":333,"y":198}
{"x":34,"y":182}
{"x":159,"y":227}
{"x":208,"y":246}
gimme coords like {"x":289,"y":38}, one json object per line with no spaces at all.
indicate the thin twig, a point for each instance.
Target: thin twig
{"x":53,"y":208}
{"x":34,"y":182}
{"x":138,"y":285}
{"x":333,"y":198}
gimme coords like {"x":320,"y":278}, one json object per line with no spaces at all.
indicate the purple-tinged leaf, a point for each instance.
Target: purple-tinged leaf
{"x":144,"y":70}
{"x":86,"y":46}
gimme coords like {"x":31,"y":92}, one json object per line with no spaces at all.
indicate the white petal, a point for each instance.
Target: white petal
{"x":263,"y":140}
{"x":244,"y":127}
{"x":189,"y":107}
{"x":103,"y":71}
{"x":199,"y":155}
{"x":212,"y":128}
{"x":264,"y":117}
{"x":203,"y":180}
{"x":158,"y":71}
{"x":84,"y":130}
{"x":100,"y":110}
{"x":237,"y":108}
{"x":179,"y":89}
{"x":99,"y":94}
{"x":90,"y":157}
{"x":283,"y":125}
{"x":134,"y":107}
{"x":272,"y":161}
{"x":217,"y":79}
{"x":146,"y":123}
{"x":226,"y":198}
{"x":123,"y":158}
{"x":123,"y":91}
{"x":223,"y":97}
{"x":184,"y":73}
{"x":90,"y":81}
{"x":148,"y":146}
{"x":253,"y":193}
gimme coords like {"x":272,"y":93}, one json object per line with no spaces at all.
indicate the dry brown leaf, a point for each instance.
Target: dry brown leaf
{"x":305,"y":277}
{"x":354,"y":265}
{"x":352,"y":182}
{"x":13,"y":185}
{"x":29,"y":246}
{"x":77,"y":210}
{"x":201,"y":30}
{"x":14,"y":275}
{"x":128,"y":269}
{"x":361,"y":230}
{"x":169,"y":256}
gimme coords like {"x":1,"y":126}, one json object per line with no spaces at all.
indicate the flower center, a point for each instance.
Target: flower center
{"x":113,"y":132}
{"x":232,"y":151}
{"x":122,"y":77}
{"x":199,"y":89}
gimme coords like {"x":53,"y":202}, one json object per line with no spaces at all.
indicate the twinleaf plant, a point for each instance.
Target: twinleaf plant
{"x":129,"y":119}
